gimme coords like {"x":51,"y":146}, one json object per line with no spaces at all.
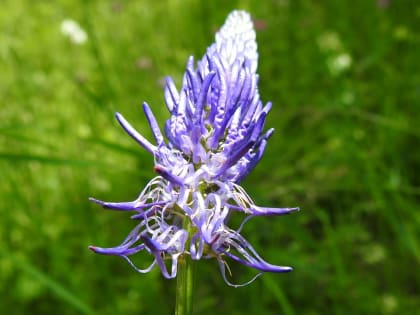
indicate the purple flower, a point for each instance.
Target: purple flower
{"x":215,"y":138}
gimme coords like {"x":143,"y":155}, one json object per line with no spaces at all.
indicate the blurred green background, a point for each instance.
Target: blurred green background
{"x":344,"y":78}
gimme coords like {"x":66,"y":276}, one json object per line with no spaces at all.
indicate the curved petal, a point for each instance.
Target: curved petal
{"x":263,"y":211}
{"x":126,"y":206}
{"x":133,"y":133}
{"x":153,"y":124}
{"x":246,"y":254}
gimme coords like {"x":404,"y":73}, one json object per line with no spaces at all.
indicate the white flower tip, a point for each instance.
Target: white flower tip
{"x":237,"y":37}
{"x":238,"y":23}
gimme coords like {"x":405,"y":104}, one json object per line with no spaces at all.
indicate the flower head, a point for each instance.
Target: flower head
{"x":215,"y":137}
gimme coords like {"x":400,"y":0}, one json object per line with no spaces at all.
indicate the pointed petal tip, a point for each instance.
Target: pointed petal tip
{"x":295,"y":209}
{"x":168,"y":175}
{"x":264,"y":211}
{"x":269,"y":133}
{"x":275,"y":268}
{"x":289,"y":210}
{"x":92,"y":248}
{"x":97,"y":201}
{"x":145,"y":106}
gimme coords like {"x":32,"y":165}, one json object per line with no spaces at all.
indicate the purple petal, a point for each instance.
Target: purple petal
{"x":168,"y":175}
{"x":234,"y":158}
{"x":117,"y":251}
{"x":153,"y":124}
{"x":232,"y":240}
{"x":193,"y":79}
{"x":196,"y":246}
{"x":243,"y":148}
{"x":202,"y":97}
{"x":252,"y":160}
{"x":134,"y":134}
{"x":126,"y":206}
{"x":262,"y":211}
{"x":171,"y":95}
{"x":259,"y":264}
{"x":173,"y":139}
{"x":154,"y":247}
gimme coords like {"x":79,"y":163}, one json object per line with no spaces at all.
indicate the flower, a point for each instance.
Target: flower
{"x":73,"y":31}
{"x":214,"y":139}
{"x":339,"y":63}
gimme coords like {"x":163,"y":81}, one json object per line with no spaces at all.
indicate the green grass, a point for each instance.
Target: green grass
{"x":346,"y":150}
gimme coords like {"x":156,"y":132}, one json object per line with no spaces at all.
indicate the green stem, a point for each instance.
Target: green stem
{"x":185,"y":276}
{"x":184,"y":286}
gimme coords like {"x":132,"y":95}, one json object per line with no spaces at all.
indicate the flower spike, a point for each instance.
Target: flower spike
{"x":214,"y":138}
